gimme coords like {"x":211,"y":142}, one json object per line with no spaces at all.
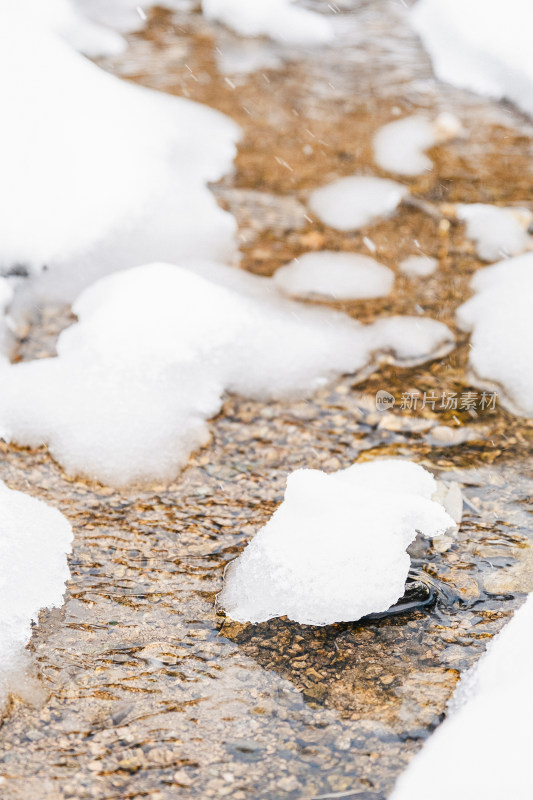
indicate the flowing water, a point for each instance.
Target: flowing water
{"x":141,"y":689}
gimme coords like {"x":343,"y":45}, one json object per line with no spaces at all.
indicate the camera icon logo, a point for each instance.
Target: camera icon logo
{"x":384,"y":400}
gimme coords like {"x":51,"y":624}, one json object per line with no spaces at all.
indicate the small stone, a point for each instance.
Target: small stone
{"x":315,"y":693}
{"x":340,"y":783}
{"x":312,"y":240}
{"x":289,"y":784}
{"x":182,"y":778}
{"x":441,"y":544}
{"x":130,"y":764}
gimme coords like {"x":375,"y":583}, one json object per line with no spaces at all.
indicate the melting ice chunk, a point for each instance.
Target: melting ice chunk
{"x":400,"y":146}
{"x":34,"y":541}
{"x":497,"y":232}
{"x":492,"y":702}
{"x":341,"y":276}
{"x":155,"y":348}
{"x":499,"y":316}
{"x":335,"y":550}
{"x":281,"y":20}
{"x":351,"y":203}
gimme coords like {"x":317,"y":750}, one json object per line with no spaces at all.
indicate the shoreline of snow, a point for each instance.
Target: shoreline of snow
{"x":480,"y":46}
{"x":483,"y":747}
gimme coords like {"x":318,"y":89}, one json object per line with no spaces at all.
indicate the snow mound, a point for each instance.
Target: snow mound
{"x":499,"y":316}
{"x":497,"y":232}
{"x":34,"y":541}
{"x":135,"y":380}
{"x":125,"y":16}
{"x":411,"y":339}
{"x":341,"y":276}
{"x":400,"y":146}
{"x":493,"y":703}
{"x":92,"y":26}
{"x":476,"y":45}
{"x":335,"y":550}
{"x":280,"y":20}
{"x":62,"y":18}
{"x":418,"y":266}
{"x":99,"y":196}
{"x":351,"y":203}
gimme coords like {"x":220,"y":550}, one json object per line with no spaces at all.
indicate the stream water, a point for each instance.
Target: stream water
{"x":144,"y":690}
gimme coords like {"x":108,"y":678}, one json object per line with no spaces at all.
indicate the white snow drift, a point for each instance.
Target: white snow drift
{"x":104,"y":174}
{"x":156,"y":347}
{"x":335,"y":550}
{"x":92,"y":26}
{"x":34,"y":541}
{"x":351,"y":203}
{"x":499,"y":316}
{"x":281,"y":20}
{"x":400,"y":146}
{"x":61,"y":17}
{"x":497,"y":232}
{"x":340,"y":276}
{"x":480,"y":45}
{"x":483,"y":749}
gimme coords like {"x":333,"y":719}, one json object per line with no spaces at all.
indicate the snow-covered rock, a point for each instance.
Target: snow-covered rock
{"x":418,"y":266}
{"x":335,"y":550}
{"x":351,"y":203}
{"x":499,"y":316}
{"x":480,"y":45}
{"x":155,"y":348}
{"x":400,"y":146}
{"x":341,"y":276}
{"x":281,"y":20}
{"x":102,"y":174}
{"x":497,"y":232}
{"x":483,"y":749}
{"x":34,"y":541}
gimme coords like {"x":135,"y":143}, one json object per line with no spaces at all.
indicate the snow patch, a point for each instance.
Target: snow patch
{"x":340,"y":276}
{"x":335,"y":550}
{"x":280,"y":20}
{"x":126,"y":16}
{"x":156,"y":347}
{"x":497,"y":232}
{"x":62,"y":18}
{"x":351,"y":203}
{"x":400,"y":146}
{"x":480,"y":45}
{"x":492,"y":703}
{"x":104,"y":174}
{"x":499,"y":316}
{"x":34,"y":541}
